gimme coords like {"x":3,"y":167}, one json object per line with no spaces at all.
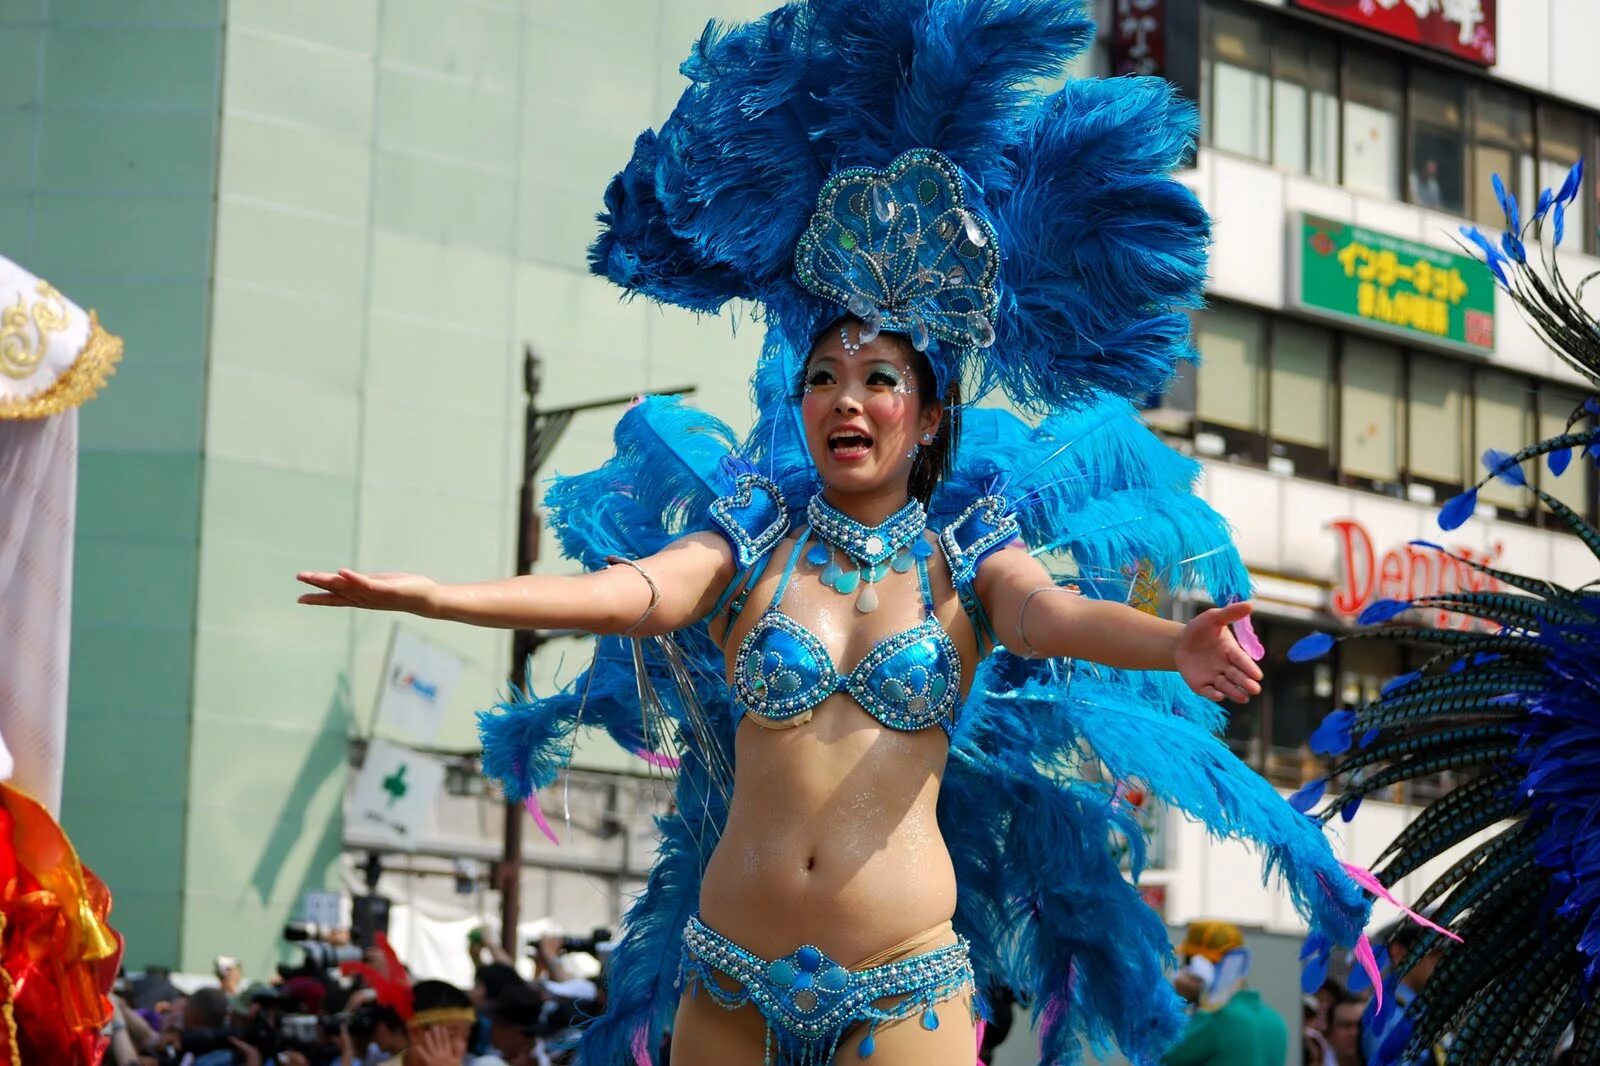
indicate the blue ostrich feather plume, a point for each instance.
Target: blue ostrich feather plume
{"x":1102,"y":251}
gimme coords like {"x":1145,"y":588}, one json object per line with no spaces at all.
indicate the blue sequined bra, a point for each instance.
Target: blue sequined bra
{"x":909,"y":680}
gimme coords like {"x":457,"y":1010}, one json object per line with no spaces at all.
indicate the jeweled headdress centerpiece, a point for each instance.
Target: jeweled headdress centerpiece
{"x":901,"y":250}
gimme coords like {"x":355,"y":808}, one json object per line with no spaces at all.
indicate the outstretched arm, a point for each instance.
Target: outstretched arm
{"x":687,"y":576}
{"x":1034,"y":618}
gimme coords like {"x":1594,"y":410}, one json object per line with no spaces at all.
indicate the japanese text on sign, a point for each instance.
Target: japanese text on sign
{"x":1379,"y":270}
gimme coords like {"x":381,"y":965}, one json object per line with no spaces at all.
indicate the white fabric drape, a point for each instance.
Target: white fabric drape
{"x":38,"y":501}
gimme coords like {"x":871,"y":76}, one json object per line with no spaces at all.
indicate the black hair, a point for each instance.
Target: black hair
{"x":433,"y":995}
{"x":934,"y":460}
{"x":496,"y":977}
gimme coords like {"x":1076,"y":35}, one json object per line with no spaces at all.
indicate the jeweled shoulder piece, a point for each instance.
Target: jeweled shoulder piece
{"x":754,"y":517}
{"x":982,"y":528}
{"x":901,"y":250}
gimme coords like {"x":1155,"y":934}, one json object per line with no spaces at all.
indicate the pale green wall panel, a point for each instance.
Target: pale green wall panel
{"x":441,"y":117}
{"x":137,"y":668}
{"x":296,"y":167}
{"x":348,"y":24}
{"x":16,"y":162}
{"x":163,"y":320}
{"x":445,"y":202}
{"x":298,"y":81}
{"x":476,"y":43}
{"x":414,"y":351}
{"x":15,"y":212}
{"x":140,"y":495}
{"x":278,"y":421}
{"x":143,"y":581}
{"x":91,"y":236}
{"x":19,"y":65}
{"x":414,"y":447}
{"x":168,"y":13}
{"x":287,"y":251}
{"x":91,"y":66}
{"x":288,"y":680}
{"x":312,"y":339}
{"x":162,"y":153}
{"x":154,"y":408}
{"x":424,"y":279}
{"x":291,"y":512}
{"x":22,"y":13}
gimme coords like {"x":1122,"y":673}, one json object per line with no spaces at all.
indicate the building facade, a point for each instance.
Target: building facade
{"x":327,"y":233}
{"x":1354,"y":365}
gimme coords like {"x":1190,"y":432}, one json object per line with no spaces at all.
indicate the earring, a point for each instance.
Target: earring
{"x":927,"y":438}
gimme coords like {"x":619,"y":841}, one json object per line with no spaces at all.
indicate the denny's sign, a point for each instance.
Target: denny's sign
{"x":1403,"y":572}
{"x":1462,"y":28}
{"x":1354,"y":274}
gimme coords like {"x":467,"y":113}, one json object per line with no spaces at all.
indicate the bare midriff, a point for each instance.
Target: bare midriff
{"x":832,"y":838}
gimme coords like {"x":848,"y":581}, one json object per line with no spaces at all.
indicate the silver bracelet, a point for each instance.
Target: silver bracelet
{"x":1028,"y":650}
{"x":655,"y":592}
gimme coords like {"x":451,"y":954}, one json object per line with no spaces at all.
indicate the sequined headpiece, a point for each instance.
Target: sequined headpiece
{"x":920,"y":165}
{"x":900,"y":249}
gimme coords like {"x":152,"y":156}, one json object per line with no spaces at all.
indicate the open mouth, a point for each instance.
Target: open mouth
{"x":849,"y":445}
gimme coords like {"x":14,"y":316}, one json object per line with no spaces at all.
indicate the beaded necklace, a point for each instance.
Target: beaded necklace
{"x":869,"y":552}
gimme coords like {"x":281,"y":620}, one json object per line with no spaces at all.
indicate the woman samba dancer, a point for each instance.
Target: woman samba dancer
{"x":840,"y":623}
{"x":831,"y":838}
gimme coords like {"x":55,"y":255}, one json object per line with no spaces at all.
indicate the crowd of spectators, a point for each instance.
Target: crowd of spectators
{"x":319,"y":1017}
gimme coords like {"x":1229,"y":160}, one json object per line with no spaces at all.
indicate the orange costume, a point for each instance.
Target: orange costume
{"x":58,"y":957}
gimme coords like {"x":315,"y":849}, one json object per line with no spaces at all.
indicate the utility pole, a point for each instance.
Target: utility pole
{"x":541,"y":432}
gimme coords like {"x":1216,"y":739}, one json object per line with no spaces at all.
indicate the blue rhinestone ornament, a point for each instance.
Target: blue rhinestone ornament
{"x":869,"y":552}
{"x":901,"y":249}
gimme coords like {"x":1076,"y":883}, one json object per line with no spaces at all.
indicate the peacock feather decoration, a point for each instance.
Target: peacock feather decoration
{"x":1509,"y":701}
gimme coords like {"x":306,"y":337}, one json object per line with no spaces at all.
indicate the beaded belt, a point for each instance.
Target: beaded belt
{"x":808,"y":1000}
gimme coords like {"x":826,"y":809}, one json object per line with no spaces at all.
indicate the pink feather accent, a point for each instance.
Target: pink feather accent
{"x":532,"y":803}
{"x":663,"y":762}
{"x":1366,"y":880}
{"x":980,"y":1041}
{"x":1244,"y":631}
{"x":641,"y":1046}
{"x":1370,"y":964}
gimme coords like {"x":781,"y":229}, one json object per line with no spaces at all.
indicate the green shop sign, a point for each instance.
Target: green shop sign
{"x":1356,"y":274}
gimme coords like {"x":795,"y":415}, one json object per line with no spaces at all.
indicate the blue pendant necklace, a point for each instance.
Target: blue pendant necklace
{"x":868,"y":552}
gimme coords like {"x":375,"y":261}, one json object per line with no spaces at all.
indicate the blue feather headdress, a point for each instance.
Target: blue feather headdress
{"x":1097,"y":252}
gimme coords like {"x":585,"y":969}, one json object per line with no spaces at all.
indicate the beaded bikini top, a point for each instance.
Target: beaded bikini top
{"x":909,"y":680}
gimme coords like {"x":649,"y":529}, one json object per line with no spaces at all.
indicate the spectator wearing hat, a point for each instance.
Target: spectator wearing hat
{"x":1232,"y":1027}
{"x":515,"y":1020}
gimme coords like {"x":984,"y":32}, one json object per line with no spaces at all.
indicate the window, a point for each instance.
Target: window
{"x":1502,"y":138}
{"x":1305,"y":105}
{"x":1500,"y":420}
{"x":1562,"y":135}
{"x":1232,"y":361}
{"x":1237,"y":77}
{"x":1436,"y":427}
{"x":1300,"y":396}
{"x":1297,"y":699}
{"x":1372,"y":108}
{"x":1572,"y":487}
{"x":1369,"y":417}
{"x":1438,"y":149}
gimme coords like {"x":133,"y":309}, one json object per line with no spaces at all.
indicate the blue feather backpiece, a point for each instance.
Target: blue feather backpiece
{"x":1042,"y":900}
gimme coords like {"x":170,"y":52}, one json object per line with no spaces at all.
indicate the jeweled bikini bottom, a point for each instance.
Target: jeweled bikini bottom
{"x":809,"y":1000}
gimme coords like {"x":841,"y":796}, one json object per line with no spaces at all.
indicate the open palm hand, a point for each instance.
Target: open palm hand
{"x":1210,"y":659}
{"x":412,"y":593}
